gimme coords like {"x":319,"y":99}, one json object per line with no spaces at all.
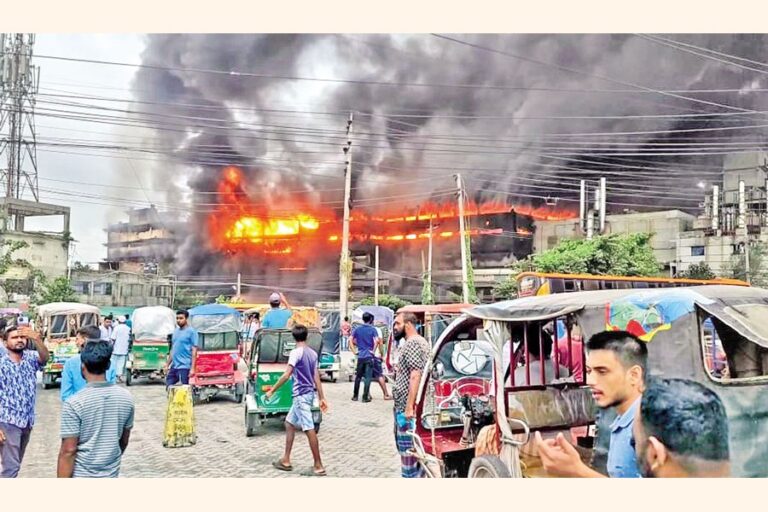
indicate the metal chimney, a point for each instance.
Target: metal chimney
{"x":742,"y":205}
{"x":583,"y":205}
{"x":602,"y":205}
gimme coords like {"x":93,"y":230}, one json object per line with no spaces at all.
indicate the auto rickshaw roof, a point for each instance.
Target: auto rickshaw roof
{"x":213,"y":310}
{"x":66,"y":308}
{"x":153,"y":321}
{"x":549,"y":306}
{"x":434,"y":308}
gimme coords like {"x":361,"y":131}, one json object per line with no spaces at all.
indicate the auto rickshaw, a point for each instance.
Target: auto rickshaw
{"x":471,"y":423}
{"x":58,"y":323}
{"x":267,"y":361}
{"x":330,"y":359}
{"x":383,"y":318}
{"x":218,"y":344}
{"x":150,"y":343}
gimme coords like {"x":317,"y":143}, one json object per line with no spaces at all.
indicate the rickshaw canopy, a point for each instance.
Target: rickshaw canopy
{"x":275,"y":345}
{"x":381,"y":315}
{"x":153,"y":322}
{"x":66,"y":308}
{"x":214,"y":318}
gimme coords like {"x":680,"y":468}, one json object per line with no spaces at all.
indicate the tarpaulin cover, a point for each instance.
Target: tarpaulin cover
{"x":331,"y":329}
{"x":153,"y":322}
{"x":65,"y":308}
{"x":381,"y":315}
{"x":214,"y":318}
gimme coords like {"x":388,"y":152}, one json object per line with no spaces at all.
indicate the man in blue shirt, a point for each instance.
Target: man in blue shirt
{"x":72,"y":379}
{"x":183,"y":350}
{"x":18,"y":391}
{"x":365,"y":338}
{"x":616,"y":367}
{"x":277,"y":317}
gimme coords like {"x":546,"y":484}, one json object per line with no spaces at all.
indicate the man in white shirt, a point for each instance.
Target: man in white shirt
{"x":121,"y":342}
{"x":106,"y":328}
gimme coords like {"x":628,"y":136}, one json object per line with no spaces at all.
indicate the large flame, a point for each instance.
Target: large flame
{"x":241,"y":223}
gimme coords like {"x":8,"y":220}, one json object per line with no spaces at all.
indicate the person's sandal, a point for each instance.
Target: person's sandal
{"x":312,"y":472}
{"x":278,"y":464}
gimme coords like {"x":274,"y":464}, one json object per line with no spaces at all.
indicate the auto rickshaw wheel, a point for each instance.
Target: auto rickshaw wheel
{"x":253,"y":424}
{"x":196,"y":399}
{"x":239,"y":393}
{"x":47,"y":381}
{"x":488,"y":466}
{"x":128,"y":377}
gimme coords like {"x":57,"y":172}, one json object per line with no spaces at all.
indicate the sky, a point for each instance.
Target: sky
{"x":60,"y":171}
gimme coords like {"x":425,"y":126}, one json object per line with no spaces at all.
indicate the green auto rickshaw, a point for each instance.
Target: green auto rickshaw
{"x":152,"y":328}
{"x":267,"y":361}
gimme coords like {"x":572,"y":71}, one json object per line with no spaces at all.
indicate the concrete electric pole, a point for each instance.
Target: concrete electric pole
{"x":463,"y":242}
{"x":344,"y":260}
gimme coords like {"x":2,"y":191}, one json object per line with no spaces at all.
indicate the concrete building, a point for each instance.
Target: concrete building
{"x":45,"y":251}
{"x":735,"y":213}
{"x":666,"y":227}
{"x":149,"y":237}
{"x":122,"y":288}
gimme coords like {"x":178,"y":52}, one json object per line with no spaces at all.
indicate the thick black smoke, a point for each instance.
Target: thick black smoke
{"x":506,"y":135}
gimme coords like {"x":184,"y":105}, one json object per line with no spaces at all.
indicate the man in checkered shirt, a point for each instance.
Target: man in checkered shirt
{"x":412,"y":360}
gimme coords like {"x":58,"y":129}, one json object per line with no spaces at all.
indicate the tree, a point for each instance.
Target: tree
{"x":7,"y":260}
{"x":737,"y":268}
{"x":79,"y":266}
{"x":698,"y":271}
{"x":615,"y":254}
{"x":392,"y":302}
{"x":58,"y":290}
{"x":506,"y":289}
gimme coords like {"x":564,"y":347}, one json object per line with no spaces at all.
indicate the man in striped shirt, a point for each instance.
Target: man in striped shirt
{"x":96,"y":422}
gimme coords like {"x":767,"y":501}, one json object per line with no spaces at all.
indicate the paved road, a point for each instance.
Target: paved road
{"x":356,"y":439}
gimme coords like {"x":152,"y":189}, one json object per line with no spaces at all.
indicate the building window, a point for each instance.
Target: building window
{"x":132,"y":290}
{"x":81,"y":287}
{"x":697,"y":250}
{"x":102,"y":288}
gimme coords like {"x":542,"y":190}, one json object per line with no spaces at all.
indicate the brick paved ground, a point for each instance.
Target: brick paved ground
{"x":355,"y":439}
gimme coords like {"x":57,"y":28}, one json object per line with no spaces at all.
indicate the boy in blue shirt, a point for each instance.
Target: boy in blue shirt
{"x":183,"y":350}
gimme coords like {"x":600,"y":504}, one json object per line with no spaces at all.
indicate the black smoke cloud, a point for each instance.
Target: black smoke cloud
{"x":493,"y":136}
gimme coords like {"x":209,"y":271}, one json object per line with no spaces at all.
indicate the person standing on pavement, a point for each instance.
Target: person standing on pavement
{"x":72,"y":380}
{"x":121,"y":344}
{"x":96,"y":423}
{"x":302,"y":366}
{"x":277,"y":317}
{"x":346,"y":331}
{"x":616,"y":367}
{"x":18,"y":391}
{"x":413,"y":358}
{"x":106,"y":328}
{"x":378,"y":364}
{"x":183,"y":351}
{"x":364,"y":339}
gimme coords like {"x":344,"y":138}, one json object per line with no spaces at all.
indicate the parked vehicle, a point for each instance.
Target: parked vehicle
{"x":330,"y":358}
{"x":58,"y":323}
{"x":153,"y":327}
{"x":215,"y":368}
{"x":461,"y":402}
{"x":267,"y":361}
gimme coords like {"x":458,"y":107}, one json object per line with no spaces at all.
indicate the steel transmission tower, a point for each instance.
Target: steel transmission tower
{"x":19,"y":81}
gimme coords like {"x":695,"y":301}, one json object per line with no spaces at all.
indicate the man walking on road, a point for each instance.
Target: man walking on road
{"x":72,"y":380}
{"x":183,"y":350}
{"x":302,"y":366}
{"x":18,"y":391}
{"x":106,"y":329}
{"x":121,"y":343}
{"x":365,"y":339}
{"x":96,"y":423}
{"x":414,"y":354}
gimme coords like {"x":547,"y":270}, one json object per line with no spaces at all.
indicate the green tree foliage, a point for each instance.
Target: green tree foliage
{"x":58,"y":290}
{"x":615,"y":254}
{"x":8,"y":247}
{"x":393,"y":302}
{"x":737,"y":268}
{"x":698,"y":271}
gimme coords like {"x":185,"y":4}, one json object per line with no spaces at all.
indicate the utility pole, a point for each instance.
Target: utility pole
{"x":239,"y":283}
{"x":462,"y":236}
{"x":429,"y":258}
{"x":376,"y":279}
{"x":344,"y":261}
{"x":746,"y":262}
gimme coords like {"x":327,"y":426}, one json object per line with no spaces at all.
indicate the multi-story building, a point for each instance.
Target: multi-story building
{"x":107,"y":287}
{"x":149,"y":237}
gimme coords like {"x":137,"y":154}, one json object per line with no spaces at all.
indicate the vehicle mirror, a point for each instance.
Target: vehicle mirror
{"x":438,"y":371}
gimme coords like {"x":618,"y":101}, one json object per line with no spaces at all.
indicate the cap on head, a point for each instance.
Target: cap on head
{"x":275,"y":297}
{"x":121,"y":319}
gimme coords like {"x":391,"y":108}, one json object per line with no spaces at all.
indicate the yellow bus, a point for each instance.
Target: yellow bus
{"x":541,"y":283}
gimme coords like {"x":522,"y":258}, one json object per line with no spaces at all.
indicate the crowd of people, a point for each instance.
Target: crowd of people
{"x":663,"y":427}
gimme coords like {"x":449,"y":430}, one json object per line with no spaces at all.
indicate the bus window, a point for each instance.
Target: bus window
{"x":556,"y":285}
{"x":590,"y":284}
{"x":608,"y":285}
{"x":640,"y":284}
{"x":570,"y":285}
